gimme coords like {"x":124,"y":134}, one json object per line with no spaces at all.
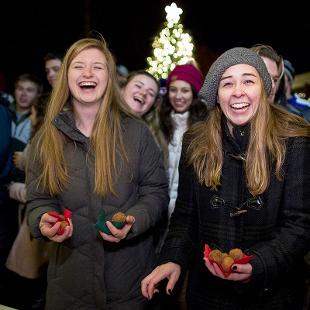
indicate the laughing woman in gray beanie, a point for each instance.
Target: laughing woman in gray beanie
{"x":244,"y":183}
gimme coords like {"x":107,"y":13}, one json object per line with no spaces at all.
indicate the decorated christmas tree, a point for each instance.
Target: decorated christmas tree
{"x":172,"y":46}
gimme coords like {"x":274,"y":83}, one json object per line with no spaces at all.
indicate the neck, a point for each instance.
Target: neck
{"x":22,"y":110}
{"x":85,"y":118}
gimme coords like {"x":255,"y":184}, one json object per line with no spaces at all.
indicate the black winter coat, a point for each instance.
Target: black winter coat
{"x":274,"y":228}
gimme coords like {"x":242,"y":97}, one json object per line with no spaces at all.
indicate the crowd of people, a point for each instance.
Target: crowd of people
{"x":216,"y":162}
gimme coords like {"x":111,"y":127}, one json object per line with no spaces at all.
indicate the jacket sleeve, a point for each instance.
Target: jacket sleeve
{"x":178,"y":247}
{"x":38,"y":201}
{"x":152,"y":183}
{"x":284,"y":253}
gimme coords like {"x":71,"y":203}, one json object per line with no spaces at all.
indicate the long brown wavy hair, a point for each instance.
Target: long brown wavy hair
{"x":270,"y":127}
{"x":106,"y":139}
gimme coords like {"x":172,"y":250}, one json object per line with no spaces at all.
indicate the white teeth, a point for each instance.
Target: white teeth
{"x":87,"y":84}
{"x":140,"y":100}
{"x":239,"y":105}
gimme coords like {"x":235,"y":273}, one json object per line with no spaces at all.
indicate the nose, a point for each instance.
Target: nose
{"x":238,"y":90}
{"x":87,"y":71}
{"x":51,"y":73}
{"x":142,"y":91}
{"x":178,"y":94}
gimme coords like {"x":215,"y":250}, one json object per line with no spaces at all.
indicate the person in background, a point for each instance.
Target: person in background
{"x":244,"y":180}
{"x":94,"y":156}
{"x":26,"y":283}
{"x":274,"y":64}
{"x":28,"y":89}
{"x":28,"y":258}
{"x":52,"y":64}
{"x":141,"y":93}
{"x":289,"y":76}
{"x":293,"y":102}
{"x":179,"y":110}
{"x":122,"y":74}
{"x":5,"y":168}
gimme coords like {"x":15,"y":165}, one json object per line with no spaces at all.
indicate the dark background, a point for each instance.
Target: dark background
{"x":30,"y":29}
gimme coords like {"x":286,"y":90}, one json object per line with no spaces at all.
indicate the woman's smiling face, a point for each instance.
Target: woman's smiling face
{"x":140,"y":94}
{"x":239,"y":93}
{"x":88,"y":76}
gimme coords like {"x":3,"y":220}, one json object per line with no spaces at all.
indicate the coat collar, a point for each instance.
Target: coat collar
{"x":239,"y":141}
{"x":65,"y":122}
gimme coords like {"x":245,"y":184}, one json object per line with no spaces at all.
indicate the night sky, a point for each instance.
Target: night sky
{"x":30,"y":29}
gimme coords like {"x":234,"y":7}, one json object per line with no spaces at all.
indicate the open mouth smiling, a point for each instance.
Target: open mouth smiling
{"x":138,"y":100}
{"x":239,"y":105}
{"x":88,"y":85}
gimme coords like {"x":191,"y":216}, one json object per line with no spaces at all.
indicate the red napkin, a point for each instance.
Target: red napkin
{"x":244,"y":260}
{"x":63,"y":218}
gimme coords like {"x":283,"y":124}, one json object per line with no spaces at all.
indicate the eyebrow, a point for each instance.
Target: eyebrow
{"x":244,"y":74}
{"x":183,"y":87}
{"x":95,"y":63}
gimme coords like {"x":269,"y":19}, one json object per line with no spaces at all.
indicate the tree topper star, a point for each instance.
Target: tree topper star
{"x":173,"y":13}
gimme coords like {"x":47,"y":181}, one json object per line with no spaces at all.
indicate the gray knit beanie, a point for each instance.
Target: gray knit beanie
{"x":234,"y":56}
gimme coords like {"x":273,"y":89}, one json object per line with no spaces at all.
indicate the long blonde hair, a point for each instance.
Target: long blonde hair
{"x":270,"y":127}
{"x":106,"y":139}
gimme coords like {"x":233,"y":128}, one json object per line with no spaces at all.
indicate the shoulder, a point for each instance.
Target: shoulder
{"x":298,"y":142}
{"x":5,"y":112}
{"x":298,"y":148}
{"x":136,"y":126}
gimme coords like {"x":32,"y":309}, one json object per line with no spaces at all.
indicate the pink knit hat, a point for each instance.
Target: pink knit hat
{"x":188,"y":73}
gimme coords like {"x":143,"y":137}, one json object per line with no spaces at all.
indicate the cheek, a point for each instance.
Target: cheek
{"x":125,"y":95}
{"x":223,"y":101}
{"x":71,"y":85}
{"x":189,"y":99}
{"x":171,"y":96}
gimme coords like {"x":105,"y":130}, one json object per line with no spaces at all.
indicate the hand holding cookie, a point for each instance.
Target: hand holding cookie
{"x":117,"y":228}
{"x":221,"y":264}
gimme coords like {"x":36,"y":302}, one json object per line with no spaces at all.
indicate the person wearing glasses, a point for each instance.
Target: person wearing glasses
{"x":244,"y":184}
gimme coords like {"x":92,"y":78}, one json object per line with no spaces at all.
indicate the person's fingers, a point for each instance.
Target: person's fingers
{"x":218,"y":271}
{"x":145,"y":286}
{"x":116,"y":234}
{"x":109,"y":238}
{"x":22,"y":194}
{"x":152,"y":281}
{"x":171,"y":283}
{"x":148,"y":285}
{"x":70,"y":227}
{"x":49,"y":230}
{"x":152,"y":285}
{"x":130,"y":219}
{"x":125,"y":230}
{"x":120,"y":233}
{"x":242,"y":268}
{"x":241,"y":272}
{"x":209,"y":266}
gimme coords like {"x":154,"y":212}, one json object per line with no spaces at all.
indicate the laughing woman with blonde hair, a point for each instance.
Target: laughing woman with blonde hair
{"x":92,"y":159}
